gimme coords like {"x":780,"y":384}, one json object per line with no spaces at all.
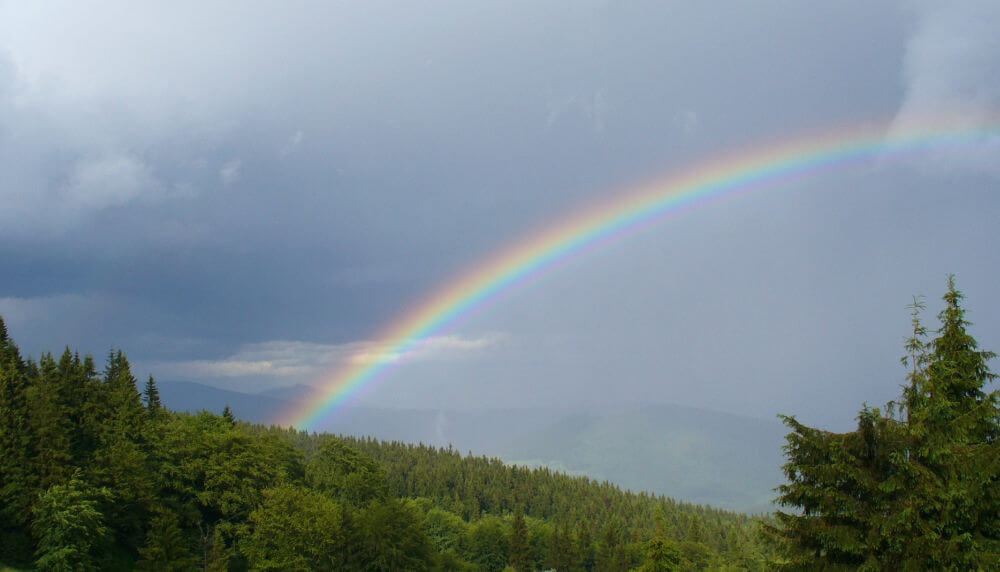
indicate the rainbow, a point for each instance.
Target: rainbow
{"x":742,"y":171}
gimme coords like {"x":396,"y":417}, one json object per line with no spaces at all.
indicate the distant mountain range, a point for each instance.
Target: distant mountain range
{"x":689,"y":454}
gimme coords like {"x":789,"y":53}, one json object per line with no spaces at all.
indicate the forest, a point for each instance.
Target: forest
{"x":98,"y":475}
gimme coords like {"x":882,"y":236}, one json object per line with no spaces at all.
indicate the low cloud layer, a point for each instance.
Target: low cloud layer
{"x":287,"y":361}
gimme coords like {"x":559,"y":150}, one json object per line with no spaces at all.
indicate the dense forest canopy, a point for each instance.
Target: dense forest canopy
{"x":98,"y":475}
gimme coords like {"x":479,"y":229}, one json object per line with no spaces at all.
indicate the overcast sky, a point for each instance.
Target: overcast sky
{"x":243,"y":194}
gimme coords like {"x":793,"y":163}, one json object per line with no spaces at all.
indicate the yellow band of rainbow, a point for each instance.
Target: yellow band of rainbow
{"x":754,"y":168}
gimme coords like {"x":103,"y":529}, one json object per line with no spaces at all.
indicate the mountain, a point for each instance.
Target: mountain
{"x":689,"y":454}
{"x":190,"y":396}
{"x":485,"y":432}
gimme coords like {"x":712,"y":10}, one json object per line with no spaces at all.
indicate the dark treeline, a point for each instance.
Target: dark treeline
{"x":98,"y":475}
{"x":95,"y":474}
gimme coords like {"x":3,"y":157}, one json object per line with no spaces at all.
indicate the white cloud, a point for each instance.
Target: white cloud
{"x":292,"y":144}
{"x":952,"y":78}
{"x":593,"y":107}
{"x":686,"y":121}
{"x":303,"y":360}
{"x":108,"y":180}
{"x":230,"y":172}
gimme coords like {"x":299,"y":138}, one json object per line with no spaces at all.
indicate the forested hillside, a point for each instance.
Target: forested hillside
{"x":97,"y":475}
{"x":698,"y":456}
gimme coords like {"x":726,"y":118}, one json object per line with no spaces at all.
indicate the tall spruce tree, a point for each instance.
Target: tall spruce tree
{"x":16,"y":478}
{"x":69,"y":526}
{"x":152,"y":395}
{"x":954,"y":431}
{"x":520,"y":550}
{"x":121,"y":457}
{"x":909,"y":492}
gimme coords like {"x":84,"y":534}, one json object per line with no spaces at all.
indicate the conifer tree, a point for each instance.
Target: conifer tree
{"x":610,"y":553}
{"x":69,"y":526}
{"x":152,"y":395}
{"x":50,"y":424}
{"x":167,"y":548}
{"x":662,"y":553}
{"x":16,"y":478}
{"x":121,"y":457}
{"x":915,"y":492}
{"x":227,"y":414}
{"x":520,"y":551}
{"x":954,"y":432}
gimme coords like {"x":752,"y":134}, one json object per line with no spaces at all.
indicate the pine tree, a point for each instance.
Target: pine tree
{"x":610,"y":549}
{"x":152,"y":395}
{"x":585,"y":546}
{"x":121,"y":459}
{"x":17,"y":482}
{"x":227,"y":414}
{"x":955,"y":435}
{"x":520,"y":551}
{"x":167,"y":548}
{"x":662,"y":553}
{"x":69,"y":526}
{"x":916,"y":492}
{"x":50,"y":424}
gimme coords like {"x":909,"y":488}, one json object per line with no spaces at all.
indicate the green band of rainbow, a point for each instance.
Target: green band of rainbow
{"x":723,"y":176}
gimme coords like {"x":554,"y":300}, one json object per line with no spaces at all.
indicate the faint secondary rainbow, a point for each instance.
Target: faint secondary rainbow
{"x":726,"y":175}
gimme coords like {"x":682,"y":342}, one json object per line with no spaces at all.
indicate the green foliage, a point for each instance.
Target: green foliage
{"x":388,"y":535}
{"x":520,"y":550}
{"x":662,"y":555}
{"x":69,"y":527}
{"x":489,"y":544}
{"x":296,"y":529}
{"x":446,"y":530}
{"x":167,"y":548}
{"x":913,"y":492}
{"x":16,"y":477}
{"x":94,"y":477}
{"x":346,"y":473}
{"x":151,"y":395}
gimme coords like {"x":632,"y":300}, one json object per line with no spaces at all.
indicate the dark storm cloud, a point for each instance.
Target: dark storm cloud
{"x":218,"y":175}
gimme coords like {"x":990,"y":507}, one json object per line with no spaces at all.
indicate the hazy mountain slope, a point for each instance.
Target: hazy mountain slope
{"x":483,"y":432}
{"x":690,"y":454}
{"x":190,"y":396}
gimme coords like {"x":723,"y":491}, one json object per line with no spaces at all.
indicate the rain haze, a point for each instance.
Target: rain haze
{"x":243,"y":195}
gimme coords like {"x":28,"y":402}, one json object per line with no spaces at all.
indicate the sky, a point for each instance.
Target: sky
{"x":245,"y":194}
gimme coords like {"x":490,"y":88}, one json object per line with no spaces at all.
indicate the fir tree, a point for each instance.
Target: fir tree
{"x":50,"y":424}
{"x":919,"y":492}
{"x":16,"y":478}
{"x":152,"y":395}
{"x":227,"y":414}
{"x":69,"y":527}
{"x":121,"y":458}
{"x":520,"y":551}
{"x":954,"y":433}
{"x":167,"y":548}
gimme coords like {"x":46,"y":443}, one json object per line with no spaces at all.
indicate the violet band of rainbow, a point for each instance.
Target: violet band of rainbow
{"x":751,"y":169}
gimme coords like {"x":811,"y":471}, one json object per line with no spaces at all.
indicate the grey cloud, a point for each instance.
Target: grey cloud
{"x":374,"y":150}
{"x":229,"y":174}
{"x":952,"y":77}
{"x":285,"y":362}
